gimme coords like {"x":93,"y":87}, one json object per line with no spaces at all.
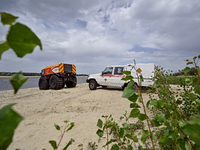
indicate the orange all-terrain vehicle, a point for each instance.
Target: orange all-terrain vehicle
{"x":57,"y":76}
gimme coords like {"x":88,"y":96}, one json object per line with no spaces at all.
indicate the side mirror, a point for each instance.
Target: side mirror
{"x":102,"y":73}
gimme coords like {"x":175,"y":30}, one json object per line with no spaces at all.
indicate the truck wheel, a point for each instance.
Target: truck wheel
{"x":55,"y":82}
{"x":70,"y":84}
{"x":43,"y":83}
{"x":135,"y":87}
{"x":93,"y":85}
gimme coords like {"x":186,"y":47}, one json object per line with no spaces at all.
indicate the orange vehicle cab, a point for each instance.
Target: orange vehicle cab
{"x":57,"y":76}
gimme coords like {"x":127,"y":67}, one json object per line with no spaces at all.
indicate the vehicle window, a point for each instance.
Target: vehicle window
{"x":108,"y":70}
{"x":119,"y":70}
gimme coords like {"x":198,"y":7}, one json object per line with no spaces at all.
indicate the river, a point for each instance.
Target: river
{"x":30,"y":83}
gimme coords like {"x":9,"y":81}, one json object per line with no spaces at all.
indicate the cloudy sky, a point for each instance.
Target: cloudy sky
{"x":95,"y":33}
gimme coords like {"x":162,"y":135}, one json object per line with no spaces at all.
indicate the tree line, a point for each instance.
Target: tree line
{"x":29,"y":74}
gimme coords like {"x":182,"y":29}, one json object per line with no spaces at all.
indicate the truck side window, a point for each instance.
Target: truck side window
{"x":119,"y":70}
{"x":108,"y":70}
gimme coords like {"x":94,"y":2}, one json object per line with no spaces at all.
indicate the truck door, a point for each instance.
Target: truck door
{"x":106,"y":76}
{"x":117,"y":76}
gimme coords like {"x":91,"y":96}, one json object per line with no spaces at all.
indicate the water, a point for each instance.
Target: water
{"x":30,"y":83}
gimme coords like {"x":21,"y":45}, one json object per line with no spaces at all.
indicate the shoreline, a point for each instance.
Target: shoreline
{"x":34,"y":76}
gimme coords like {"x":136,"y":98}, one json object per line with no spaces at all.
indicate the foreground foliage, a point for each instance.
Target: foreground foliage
{"x":22,"y":41}
{"x":175,"y":123}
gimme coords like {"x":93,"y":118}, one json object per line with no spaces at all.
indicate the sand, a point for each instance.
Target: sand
{"x":43,"y":108}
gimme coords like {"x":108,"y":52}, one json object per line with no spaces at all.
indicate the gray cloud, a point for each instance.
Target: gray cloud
{"x":92,"y":34}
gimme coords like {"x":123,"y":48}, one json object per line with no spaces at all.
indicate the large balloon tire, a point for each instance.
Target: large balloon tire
{"x":56,"y":82}
{"x":43,"y":83}
{"x":70,"y":84}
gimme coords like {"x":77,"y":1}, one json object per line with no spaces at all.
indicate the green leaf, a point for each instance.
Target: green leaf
{"x":198,"y":70}
{"x":7,"y":19}
{"x":133,"y":98}
{"x":181,"y":143}
{"x":68,"y":144}
{"x":179,"y":102}
{"x":3,"y":47}
{"x":182,"y":123}
{"x":195,"y":57}
{"x":192,"y":96}
{"x":142,"y":117}
{"x":121,"y":132}
{"x":17,"y":80}
{"x":134,"y":113}
{"x":121,"y":118}
{"x":129,"y":147}
{"x":167,"y":116}
{"x":53,"y":144}
{"x":188,"y":81}
{"x":57,"y":127}
{"x":140,"y":147}
{"x":166,"y":123}
{"x":134,"y":105}
{"x":99,"y":123}
{"x":164,"y":140}
{"x":192,"y":129}
{"x":66,"y":121}
{"x":125,"y":125}
{"x":189,"y":63}
{"x":9,"y":120}
{"x":174,"y":121}
{"x":127,"y":78}
{"x":115,"y":147}
{"x":107,"y":143}
{"x":129,"y":136}
{"x":173,"y":135}
{"x":135,"y":139}
{"x":154,"y":137}
{"x":126,"y":73}
{"x":145,"y":134}
{"x":128,"y":92}
{"x":161,"y":103}
{"x":187,"y":146}
{"x":131,"y":83}
{"x":71,"y":126}
{"x":186,"y":70}
{"x":153,"y":102}
{"x":22,"y":40}
{"x":99,"y":133}
{"x":156,"y":123}
{"x":197,"y":89}
{"x":141,"y":78}
{"x":147,"y":105}
{"x":159,"y":117}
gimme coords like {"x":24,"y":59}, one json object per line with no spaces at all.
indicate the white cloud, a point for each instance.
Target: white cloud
{"x":92,"y":34}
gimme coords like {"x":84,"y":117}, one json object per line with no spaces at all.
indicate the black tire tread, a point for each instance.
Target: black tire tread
{"x":94,"y":83}
{"x":43,"y":83}
{"x":56,"y":82}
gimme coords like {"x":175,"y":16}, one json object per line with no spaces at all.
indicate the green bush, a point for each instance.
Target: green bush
{"x":180,"y":80}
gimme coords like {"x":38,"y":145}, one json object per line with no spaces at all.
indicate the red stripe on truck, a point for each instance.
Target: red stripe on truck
{"x":110,"y":75}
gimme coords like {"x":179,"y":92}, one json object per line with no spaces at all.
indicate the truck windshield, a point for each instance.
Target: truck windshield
{"x":108,"y":70}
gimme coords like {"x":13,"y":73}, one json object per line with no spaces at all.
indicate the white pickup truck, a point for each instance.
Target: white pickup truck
{"x":112,"y":75}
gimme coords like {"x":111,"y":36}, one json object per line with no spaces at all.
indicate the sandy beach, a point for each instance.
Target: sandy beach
{"x":42,"y":108}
